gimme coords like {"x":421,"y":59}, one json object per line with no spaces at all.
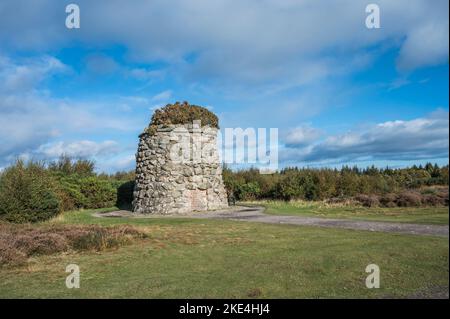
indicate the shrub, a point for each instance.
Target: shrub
{"x":310,"y":188}
{"x":429,"y":190}
{"x":18,"y":242}
{"x":248,"y":191}
{"x":99,"y":238}
{"x":288,"y":188}
{"x":338,"y":201}
{"x":10,"y":255}
{"x":443,"y":195}
{"x":37,"y":243}
{"x":409,"y":199}
{"x":28,"y":194}
{"x":182,"y":113}
{"x":432,"y":200}
{"x":388,"y":200}
{"x":69,"y":191}
{"x":65,"y":166}
{"x":368,"y":200}
{"x":98,"y":193}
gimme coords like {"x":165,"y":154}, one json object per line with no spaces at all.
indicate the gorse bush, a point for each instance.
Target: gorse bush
{"x":69,"y":190}
{"x":28,"y":194}
{"x":66,"y":166}
{"x":98,"y":193}
{"x":248,"y":191}
{"x":86,"y":192}
{"x":35,"y":192}
{"x":80,"y":187}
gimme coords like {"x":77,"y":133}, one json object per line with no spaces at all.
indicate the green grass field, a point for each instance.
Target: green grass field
{"x":192,"y":258}
{"x":415,"y":215}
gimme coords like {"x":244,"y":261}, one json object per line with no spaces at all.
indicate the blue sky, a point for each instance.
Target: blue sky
{"x":339,"y":93}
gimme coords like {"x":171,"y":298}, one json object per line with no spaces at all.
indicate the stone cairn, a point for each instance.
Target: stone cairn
{"x":178,"y":170}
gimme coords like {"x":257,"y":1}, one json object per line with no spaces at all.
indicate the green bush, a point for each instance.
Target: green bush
{"x":98,"y":193}
{"x":28,"y":194}
{"x":69,"y":190}
{"x":347,"y":182}
{"x":33,"y":192}
{"x":248,"y":191}
{"x":288,"y":188}
{"x":66,"y":166}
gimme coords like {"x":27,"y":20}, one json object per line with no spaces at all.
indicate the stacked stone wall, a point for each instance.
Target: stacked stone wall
{"x":178,"y":171}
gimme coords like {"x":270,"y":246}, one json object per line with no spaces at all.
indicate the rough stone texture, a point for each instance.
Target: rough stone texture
{"x":178,"y":171}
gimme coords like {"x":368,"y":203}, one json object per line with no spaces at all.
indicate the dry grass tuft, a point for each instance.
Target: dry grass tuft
{"x":19,"y":242}
{"x":254,"y":293}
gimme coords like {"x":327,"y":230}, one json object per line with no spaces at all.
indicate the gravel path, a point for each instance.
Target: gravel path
{"x":256,"y":214}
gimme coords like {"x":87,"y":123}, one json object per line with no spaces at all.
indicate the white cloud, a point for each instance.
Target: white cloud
{"x":264,"y":41}
{"x":398,"y":83}
{"x":162,"y":96}
{"x":108,"y":155}
{"x":132,"y":102}
{"x":145,"y":74}
{"x":425,"y":45}
{"x":136,"y":99}
{"x":161,"y":99}
{"x":27,"y":73}
{"x":302,"y":136}
{"x":268,"y":46}
{"x":29,"y":120}
{"x":83,"y":149}
{"x":29,"y":117}
{"x":421,"y":138}
{"x":120,"y":162}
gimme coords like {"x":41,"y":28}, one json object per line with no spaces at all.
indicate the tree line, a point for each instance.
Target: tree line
{"x":35,"y":191}
{"x":326,"y":183}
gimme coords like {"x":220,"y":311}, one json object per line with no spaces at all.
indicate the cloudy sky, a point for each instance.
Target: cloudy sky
{"x":339,"y":93}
